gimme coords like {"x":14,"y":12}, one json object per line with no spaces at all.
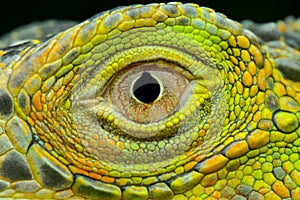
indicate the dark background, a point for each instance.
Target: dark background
{"x":14,"y":13}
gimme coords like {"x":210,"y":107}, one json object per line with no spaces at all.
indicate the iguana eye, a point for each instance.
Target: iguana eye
{"x":147,"y":107}
{"x":147,"y":92}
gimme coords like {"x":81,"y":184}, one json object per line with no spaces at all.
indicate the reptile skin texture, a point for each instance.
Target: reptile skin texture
{"x":159,"y":101}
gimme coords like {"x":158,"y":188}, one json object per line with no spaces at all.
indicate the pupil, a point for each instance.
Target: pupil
{"x":146,"y":88}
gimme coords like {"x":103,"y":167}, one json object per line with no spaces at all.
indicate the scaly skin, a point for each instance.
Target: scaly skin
{"x":227,"y":128}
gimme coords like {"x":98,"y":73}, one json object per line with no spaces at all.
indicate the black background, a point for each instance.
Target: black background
{"x":14,"y":13}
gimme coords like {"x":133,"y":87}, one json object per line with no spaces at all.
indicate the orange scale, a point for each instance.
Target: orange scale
{"x":256,"y":53}
{"x":33,"y":116}
{"x":93,"y":144}
{"x":31,"y":121}
{"x":103,"y":172}
{"x":108,"y":179}
{"x":36,"y":101}
{"x":102,"y":142}
{"x":242,"y":66}
{"x":95,"y":176}
{"x":89,"y":163}
{"x":257,"y":117}
{"x":216,"y":194}
{"x":60,"y":92}
{"x":76,"y":170}
{"x":252,"y":68}
{"x":77,"y":140}
{"x":247,"y":79}
{"x":190,"y":165}
{"x":95,"y":136}
{"x":120,"y":145}
{"x":200,"y":158}
{"x":111,"y":143}
{"x":237,"y":70}
{"x":261,"y":79}
{"x":268,"y":67}
{"x":202,"y":133}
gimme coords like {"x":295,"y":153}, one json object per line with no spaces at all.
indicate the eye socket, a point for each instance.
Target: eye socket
{"x":147,"y":92}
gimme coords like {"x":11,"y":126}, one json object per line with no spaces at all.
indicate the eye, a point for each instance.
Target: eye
{"x":147,"y":92}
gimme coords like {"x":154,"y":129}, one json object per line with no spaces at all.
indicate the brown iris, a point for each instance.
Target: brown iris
{"x":147,"y":92}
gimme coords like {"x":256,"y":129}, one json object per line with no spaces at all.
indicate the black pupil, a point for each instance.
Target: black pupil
{"x":146,"y":88}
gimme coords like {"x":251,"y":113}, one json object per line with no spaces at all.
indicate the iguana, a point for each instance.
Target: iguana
{"x":158,"y":101}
